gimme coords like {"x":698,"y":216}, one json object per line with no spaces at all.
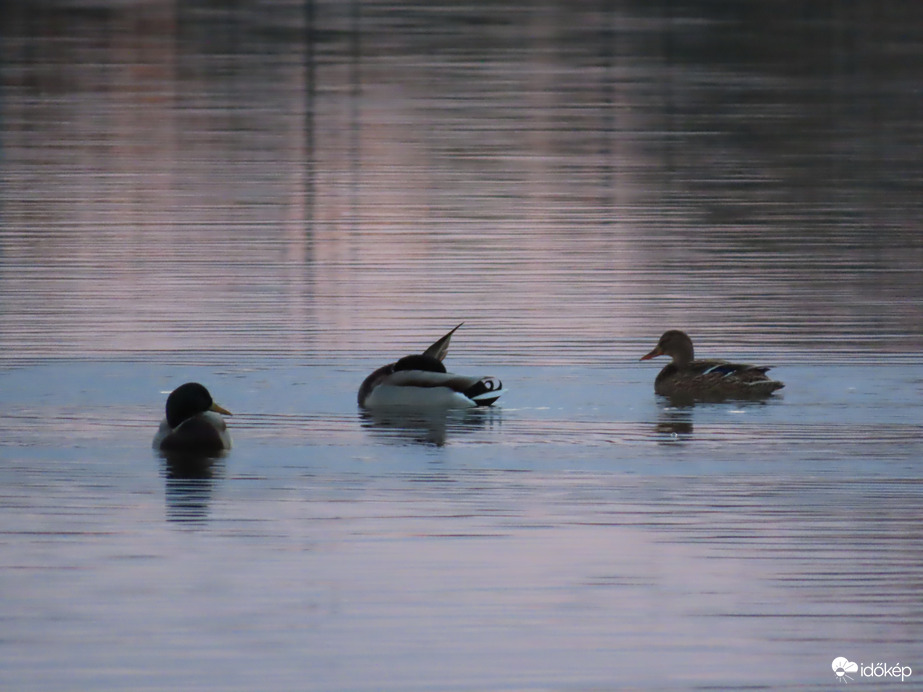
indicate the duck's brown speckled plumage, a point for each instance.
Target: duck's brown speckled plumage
{"x":706,"y":379}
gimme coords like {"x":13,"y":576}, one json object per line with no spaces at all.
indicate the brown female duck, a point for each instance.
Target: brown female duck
{"x":706,"y":379}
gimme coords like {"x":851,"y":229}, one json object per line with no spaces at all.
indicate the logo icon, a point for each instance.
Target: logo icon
{"x":842,"y":666}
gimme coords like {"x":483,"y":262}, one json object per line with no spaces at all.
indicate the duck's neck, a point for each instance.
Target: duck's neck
{"x":683,"y":357}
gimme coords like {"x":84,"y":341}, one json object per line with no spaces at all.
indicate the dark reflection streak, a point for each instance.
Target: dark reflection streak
{"x":424,"y":429}
{"x":833,"y":65}
{"x":310,"y":86}
{"x":668,"y":93}
{"x":188,"y":500}
{"x":356,"y":93}
{"x":189,"y":482}
{"x":849,"y":50}
{"x":182,"y":74}
{"x":609,"y":139}
{"x":428,"y":428}
{"x":240,"y":57}
{"x":879,"y":116}
{"x":866,"y":83}
{"x":674,"y":425}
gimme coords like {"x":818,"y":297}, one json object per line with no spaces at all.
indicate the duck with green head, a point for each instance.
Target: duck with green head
{"x":193,"y":422}
{"x":685,"y":376}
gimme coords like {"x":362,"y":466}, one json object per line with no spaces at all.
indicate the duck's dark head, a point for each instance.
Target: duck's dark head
{"x":190,"y":400}
{"x":675,"y":344}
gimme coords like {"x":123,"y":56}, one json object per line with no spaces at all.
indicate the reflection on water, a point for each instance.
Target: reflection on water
{"x":572,"y":181}
{"x":674,"y":424}
{"x":270,"y":197}
{"x":189,"y":480}
{"x":428,"y":427}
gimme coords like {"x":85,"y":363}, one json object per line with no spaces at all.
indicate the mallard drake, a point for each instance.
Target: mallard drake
{"x":193,"y":423}
{"x":421,"y":381}
{"x":711,"y":379}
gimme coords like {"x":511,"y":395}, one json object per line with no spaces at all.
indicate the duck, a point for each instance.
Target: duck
{"x":421,"y":381}
{"x":687,"y":377}
{"x":193,"y":422}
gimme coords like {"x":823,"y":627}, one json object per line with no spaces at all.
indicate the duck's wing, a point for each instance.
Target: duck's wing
{"x":162,"y":432}
{"x":750,"y":376}
{"x":369,"y":383}
{"x":439,"y":349}
{"x":424,"y":388}
{"x":723,"y":368}
{"x":427,"y":378}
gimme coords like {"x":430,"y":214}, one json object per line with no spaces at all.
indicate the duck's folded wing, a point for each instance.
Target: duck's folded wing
{"x":753,"y":376}
{"x":425,"y":388}
{"x":162,"y":433}
{"x":426,"y":378}
{"x":375,"y":379}
{"x":722,"y":368}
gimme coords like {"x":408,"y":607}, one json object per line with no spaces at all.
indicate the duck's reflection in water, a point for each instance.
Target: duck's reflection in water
{"x":189,"y":481}
{"x":674,"y":424}
{"x":432,"y":428}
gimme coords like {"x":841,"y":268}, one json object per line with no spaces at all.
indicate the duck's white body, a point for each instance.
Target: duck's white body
{"x":423,"y":389}
{"x":421,"y":381}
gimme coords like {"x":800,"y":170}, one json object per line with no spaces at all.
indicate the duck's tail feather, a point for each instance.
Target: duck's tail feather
{"x":764,"y":386}
{"x":439,"y":349}
{"x":485,"y":391}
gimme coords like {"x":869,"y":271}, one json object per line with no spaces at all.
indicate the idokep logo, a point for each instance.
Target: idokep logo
{"x":842,"y":667}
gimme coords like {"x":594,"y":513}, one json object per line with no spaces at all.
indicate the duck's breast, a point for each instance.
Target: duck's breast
{"x":205,"y":432}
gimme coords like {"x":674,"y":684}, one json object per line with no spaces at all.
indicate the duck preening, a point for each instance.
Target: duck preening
{"x":193,"y":422}
{"x":706,"y":379}
{"x":421,"y":381}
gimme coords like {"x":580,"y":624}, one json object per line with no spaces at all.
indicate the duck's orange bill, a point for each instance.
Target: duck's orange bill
{"x":220,"y":409}
{"x":653,"y":354}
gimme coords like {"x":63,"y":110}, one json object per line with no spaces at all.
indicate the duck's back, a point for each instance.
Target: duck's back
{"x":715,"y":378}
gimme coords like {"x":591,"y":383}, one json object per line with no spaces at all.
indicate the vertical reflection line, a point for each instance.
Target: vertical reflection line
{"x":356,"y":82}
{"x":845,"y":43}
{"x":667,"y":27}
{"x":871,"y":60}
{"x":609,"y":141}
{"x":238,"y":58}
{"x":5,"y":61}
{"x":309,"y":105}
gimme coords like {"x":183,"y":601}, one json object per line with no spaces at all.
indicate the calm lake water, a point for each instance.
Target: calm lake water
{"x":274,"y":199}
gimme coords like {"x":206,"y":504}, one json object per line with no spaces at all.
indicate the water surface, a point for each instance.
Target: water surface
{"x":276,"y":201}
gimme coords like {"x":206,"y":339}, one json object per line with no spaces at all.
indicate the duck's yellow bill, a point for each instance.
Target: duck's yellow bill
{"x":220,"y":409}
